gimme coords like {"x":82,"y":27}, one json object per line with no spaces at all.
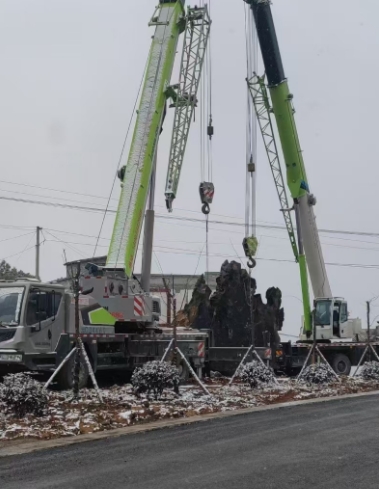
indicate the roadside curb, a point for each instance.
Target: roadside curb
{"x":33,"y":446}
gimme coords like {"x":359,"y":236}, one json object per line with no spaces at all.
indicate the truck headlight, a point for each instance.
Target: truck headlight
{"x":10,"y":357}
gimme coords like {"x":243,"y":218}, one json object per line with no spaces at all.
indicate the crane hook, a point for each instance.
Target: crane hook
{"x":205,"y":209}
{"x":251,"y":262}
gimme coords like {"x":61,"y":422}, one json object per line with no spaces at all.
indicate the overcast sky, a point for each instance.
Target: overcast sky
{"x":70,"y":74}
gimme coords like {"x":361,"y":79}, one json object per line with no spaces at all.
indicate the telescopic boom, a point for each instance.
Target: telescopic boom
{"x":297,"y":181}
{"x":137,"y":173}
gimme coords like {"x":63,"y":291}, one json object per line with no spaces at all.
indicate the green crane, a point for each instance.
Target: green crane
{"x":118,"y":291}
{"x":330,"y":315}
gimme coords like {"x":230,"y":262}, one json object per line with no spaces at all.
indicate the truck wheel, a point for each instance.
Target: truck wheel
{"x":65,"y":377}
{"x":341,"y":364}
{"x":184,"y":372}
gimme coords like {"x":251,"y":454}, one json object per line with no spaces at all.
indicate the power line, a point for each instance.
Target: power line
{"x":116,"y":200}
{"x":187,"y":219}
{"x":199,"y":253}
{"x":18,"y":253}
{"x":65,"y":242}
{"x":16,"y":237}
{"x":54,"y":189}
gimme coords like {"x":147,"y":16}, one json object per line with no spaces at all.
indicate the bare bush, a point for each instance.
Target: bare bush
{"x":154,"y":377}
{"x":257,"y":375}
{"x":318,"y":374}
{"x":370,"y":371}
{"x":20,"y":394}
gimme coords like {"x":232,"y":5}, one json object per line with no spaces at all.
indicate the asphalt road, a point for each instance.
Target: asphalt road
{"x":319,"y":446}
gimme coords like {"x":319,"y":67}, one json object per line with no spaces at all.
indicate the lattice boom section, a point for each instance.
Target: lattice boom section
{"x":193,"y":54}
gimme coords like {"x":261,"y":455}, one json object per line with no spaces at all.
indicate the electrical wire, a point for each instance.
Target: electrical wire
{"x":274,"y":237}
{"x":181,"y":218}
{"x":193,"y":276}
{"x":16,"y":237}
{"x":184,"y":251}
{"x":66,"y":243}
{"x":276,"y":224}
{"x":18,"y":253}
{"x":201,"y":242}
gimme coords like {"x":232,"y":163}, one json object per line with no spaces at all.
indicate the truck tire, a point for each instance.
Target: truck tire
{"x":341,"y":364}
{"x":184,"y":372}
{"x":65,"y":377}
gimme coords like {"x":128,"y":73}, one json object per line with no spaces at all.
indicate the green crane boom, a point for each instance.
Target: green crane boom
{"x":169,"y":22}
{"x":309,"y":247}
{"x":330,"y":319}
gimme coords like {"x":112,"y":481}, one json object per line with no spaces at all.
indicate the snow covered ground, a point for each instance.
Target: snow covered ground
{"x":122,"y":408}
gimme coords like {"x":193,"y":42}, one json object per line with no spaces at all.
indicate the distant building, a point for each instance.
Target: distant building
{"x":182,"y":284}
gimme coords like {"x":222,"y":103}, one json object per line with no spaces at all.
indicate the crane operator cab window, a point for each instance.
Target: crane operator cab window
{"x":323,"y":313}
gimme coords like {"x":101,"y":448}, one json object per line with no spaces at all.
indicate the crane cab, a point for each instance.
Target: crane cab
{"x":331,"y":320}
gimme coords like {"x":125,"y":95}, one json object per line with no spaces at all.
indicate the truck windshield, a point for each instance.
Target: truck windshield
{"x":322,"y":312}
{"x":10,"y":305}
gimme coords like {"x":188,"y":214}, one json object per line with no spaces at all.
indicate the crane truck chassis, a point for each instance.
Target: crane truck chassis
{"x":37,"y":332}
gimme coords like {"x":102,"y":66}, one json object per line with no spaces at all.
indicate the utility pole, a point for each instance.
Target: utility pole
{"x":368,"y":305}
{"x":77,"y":333}
{"x":38,"y":245}
{"x":174,"y":322}
{"x":368,"y":318}
{"x":168,"y":294}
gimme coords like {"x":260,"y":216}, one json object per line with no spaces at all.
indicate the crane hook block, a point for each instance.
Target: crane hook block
{"x":205,"y":209}
{"x":207,"y":191}
{"x":250,"y":246}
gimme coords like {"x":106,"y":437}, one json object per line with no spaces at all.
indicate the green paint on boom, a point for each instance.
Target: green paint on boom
{"x":281,"y":99}
{"x":128,"y":223}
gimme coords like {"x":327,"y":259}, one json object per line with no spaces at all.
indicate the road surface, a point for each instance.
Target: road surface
{"x":319,"y":446}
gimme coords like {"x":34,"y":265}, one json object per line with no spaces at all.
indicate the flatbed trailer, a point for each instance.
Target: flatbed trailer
{"x":226,"y":359}
{"x":290,"y":357}
{"x":342,"y":356}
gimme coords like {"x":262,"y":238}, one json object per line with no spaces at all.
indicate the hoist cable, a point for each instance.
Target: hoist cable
{"x":210,"y":97}
{"x":251,"y":126}
{"x":248,"y":129}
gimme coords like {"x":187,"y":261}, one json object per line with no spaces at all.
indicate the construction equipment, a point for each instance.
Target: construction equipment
{"x":184,"y":96}
{"x":329,"y":319}
{"x":118,"y":291}
{"x":118,"y":315}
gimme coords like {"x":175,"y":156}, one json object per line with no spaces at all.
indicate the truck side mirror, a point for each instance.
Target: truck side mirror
{"x":86,"y":292}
